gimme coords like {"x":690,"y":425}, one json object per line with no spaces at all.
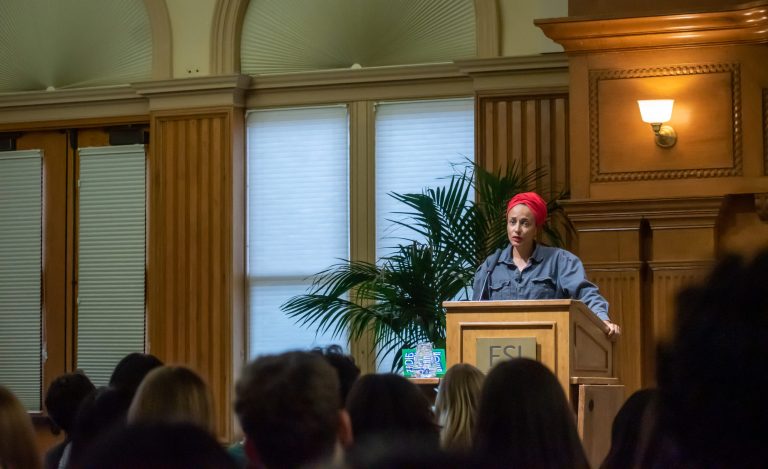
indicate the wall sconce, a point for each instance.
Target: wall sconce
{"x":656,"y":112}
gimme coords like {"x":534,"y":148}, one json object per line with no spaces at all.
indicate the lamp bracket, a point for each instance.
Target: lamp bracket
{"x":666,"y":137}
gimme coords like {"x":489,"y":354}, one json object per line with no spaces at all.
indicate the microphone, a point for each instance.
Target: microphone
{"x":488,"y":270}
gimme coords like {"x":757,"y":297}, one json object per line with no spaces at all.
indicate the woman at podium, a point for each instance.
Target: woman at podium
{"x":527,"y":270}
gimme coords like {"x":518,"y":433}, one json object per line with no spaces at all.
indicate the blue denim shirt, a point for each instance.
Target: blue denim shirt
{"x":552,"y":273}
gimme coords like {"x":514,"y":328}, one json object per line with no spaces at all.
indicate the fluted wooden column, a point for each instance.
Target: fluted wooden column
{"x":684,"y":234}
{"x":196,"y":233}
{"x":609,"y":242}
{"x":641,"y":253}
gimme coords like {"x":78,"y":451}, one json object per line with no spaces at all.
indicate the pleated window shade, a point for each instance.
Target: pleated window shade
{"x":419,"y":145}
{"x":111,"y":257}
{"x":20,"y":274}
{"x":298,"y":216}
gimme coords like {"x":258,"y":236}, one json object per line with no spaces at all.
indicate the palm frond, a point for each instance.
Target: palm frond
{"x":399,"y":299}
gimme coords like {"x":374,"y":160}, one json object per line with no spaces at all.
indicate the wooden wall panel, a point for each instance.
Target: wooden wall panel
{"x":193,"y":262}
{"x":622,"y":287}
{"x":667,"y":280}
{"x":531,"y":131}
{"x":58,"y":182}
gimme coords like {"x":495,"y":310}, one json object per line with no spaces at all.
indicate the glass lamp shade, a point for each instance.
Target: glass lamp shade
{"x":655,"y":111}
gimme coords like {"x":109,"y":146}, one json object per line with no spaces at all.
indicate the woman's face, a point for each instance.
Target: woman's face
{"x":521,"y":227}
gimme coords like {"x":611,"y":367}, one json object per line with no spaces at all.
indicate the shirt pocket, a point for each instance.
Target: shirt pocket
{"x":499,"y":290}
{"x":543,"y":288}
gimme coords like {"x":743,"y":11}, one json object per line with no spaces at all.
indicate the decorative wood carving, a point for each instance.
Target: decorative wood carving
{"x":598,"y":76}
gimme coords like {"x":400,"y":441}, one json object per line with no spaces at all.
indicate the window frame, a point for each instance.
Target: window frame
{"x":416,"y":83}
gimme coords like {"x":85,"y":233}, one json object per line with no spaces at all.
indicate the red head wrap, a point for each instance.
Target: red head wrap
{"x":534,"y":202}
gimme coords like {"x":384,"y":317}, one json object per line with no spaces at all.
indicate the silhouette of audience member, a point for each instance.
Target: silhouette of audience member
{"x":103,"y":410}
{"x":344,"y":365}
{"x":524,"y":419}
{"x":18,"y":447}
{"x":63,"y":399}
{"x":387,"y":406}
{"x":632,"y":431}
{"x":407,"y":454}
{"x":173,"y":394}
{"x":456,"y":405}
{"x":158,"y":446}
{"x":289,"y":408}
{"x":131,"y":370}
{"x":712,"y":376}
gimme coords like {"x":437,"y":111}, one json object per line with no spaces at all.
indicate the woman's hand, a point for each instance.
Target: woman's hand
{"x":613,"y":332}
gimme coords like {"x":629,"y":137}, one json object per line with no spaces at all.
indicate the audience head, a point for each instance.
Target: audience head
{"x":712,"y":376}
{"x":345,"y":367}
{"x":289,"y":408}
{"x":18,"y":447}
{"x":394,"y":453}
{"x":131,"y":370}
{"x":103,"y":410}
{"x":456,"y":405}
{"x":173,"y":394}
{"x":524,"y":419}
{"x":158,"y":446}
{"x":388,"y":404}
{"x":64,"y":397}
{"x":632,"y":430}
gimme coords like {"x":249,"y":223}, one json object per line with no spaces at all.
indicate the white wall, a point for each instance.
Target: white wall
{"x":519,"y":36}
{"x":191,"y":22}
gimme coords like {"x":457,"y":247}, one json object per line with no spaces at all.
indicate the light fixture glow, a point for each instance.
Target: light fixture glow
{"x":656,"y":112}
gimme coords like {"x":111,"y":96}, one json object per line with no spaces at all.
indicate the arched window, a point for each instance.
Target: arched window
{"x":296,"y":35}
{"x":52,"y":45}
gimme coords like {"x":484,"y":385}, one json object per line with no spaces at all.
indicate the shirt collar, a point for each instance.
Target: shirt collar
{"x":536,"y":256}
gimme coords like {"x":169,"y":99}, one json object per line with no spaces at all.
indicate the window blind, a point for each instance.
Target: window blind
{"x":110,"y":258}
{"x":20,"y":274}
{"x":298,"y":216}
{"x":419,"y":144}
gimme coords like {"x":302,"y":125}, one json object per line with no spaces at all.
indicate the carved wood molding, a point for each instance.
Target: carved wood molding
{"x":683,"y":269}
{"x":617,"y":267}
{"x":596,"y":76}
{"x":629,"y":215}
{"x":746,"y":25}
{"x":191,"y":93}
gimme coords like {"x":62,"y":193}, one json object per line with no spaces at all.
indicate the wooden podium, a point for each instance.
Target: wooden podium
{"x":564,"y":335}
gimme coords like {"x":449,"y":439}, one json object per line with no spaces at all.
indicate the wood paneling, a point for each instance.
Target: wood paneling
{"x":362,"y":198}
{"x":667,"y":280}
{"x":531,"y":131}
{"x":57,"y":249}
{"x":706,"y":116}
{"x":621,"y":286}
{"x":196,"y":218}
{"x":640,"y":253}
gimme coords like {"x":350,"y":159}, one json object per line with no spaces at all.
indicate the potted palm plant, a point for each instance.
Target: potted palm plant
{"x":400,"y":297}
